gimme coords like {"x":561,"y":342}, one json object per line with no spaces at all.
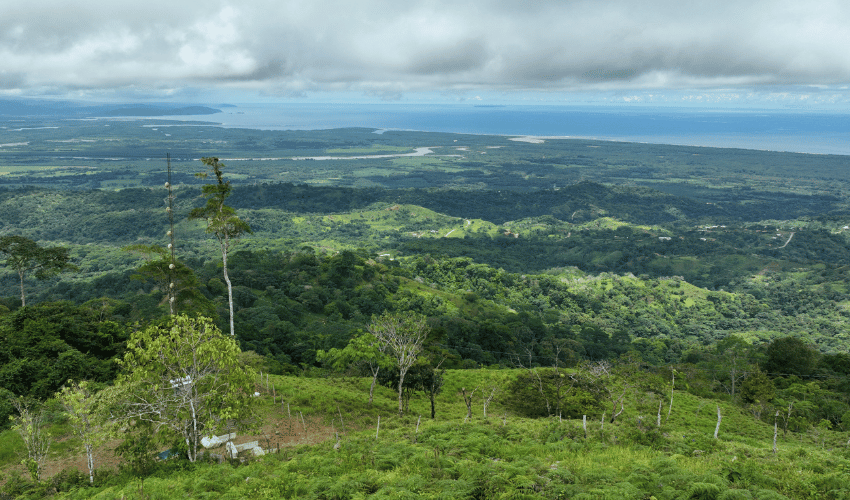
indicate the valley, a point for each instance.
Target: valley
{"x":535,"y":262}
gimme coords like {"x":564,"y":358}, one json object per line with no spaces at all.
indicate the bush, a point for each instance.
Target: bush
{"x":735,"y":495}
{"x":6,"y":408}
{"x":651,"y":437}
{"x":138,"y":454}
{"x":16,"y":485}
{"x":68,"y":479}
{"x":524,"y":396}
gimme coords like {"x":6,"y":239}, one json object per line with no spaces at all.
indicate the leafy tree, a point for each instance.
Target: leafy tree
{"x":185,"y":377}
{"x":46,"y":344}
{"x":175,"y":279}
{"x":757,"y":391}
{"x":402,"y":334}
{"x":791,"y":356}
{"x":422,"y":376}
{"x":540,"y":393}
{"x":86,"y":411}
{"x":733,"y":363}
{"x":30,"y":425}
{"x":363,"y":351}
{"x":222,"y":220}
{"x":24,"y":255}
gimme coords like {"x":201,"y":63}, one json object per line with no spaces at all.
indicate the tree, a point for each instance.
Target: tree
{"x":45,"y":344}
{"x":403,"y":335}
{"x":422,"y":376}
{"x":791,"y":356}
{"x":29,"y":424}
{"x":757,"y":391}
{"x":88,"y":416}
{"x":603,"y":377}
{"x":363,"y":350}
{"x":185,"y":377}
{"x":173,"y":278}
{"x":24,"y":255}
{"x":539,"y":392}
{"x":433,"y":385}
{"x":222,"y":220}
{"x":733,"y":356}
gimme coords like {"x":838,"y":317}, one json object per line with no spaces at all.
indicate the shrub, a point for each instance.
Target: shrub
{"x":547,"y":392}
{"x":704,"y":491}
{"x":68,"y":479}
{"x":735,"y":495}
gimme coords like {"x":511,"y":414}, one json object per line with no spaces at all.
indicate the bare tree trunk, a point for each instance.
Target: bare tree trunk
{"x":717,"y":429}
{"x":374,"y":380}
{"x":224,"y":246}
{"x":468,"y":401}
{"x":90,"y":462}
{"x":400,"y":401}
{"x":775,"y":430}
{"x":614,"y":413}
{"x":787,"y":418}
{"x":488,"y":399}
{"x":672,"y":386}
{"x":23,"y":296}
{"x":658,"y":420}
{"x":193,"y":446}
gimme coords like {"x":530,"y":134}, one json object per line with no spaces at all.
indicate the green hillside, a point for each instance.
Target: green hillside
{"x":556,"y":280}
{"x":500,"y":455}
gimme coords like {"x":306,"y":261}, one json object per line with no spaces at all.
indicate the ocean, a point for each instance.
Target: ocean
{"x":793,"y":131}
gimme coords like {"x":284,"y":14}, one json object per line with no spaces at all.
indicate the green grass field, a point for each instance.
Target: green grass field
{"x":500,"y":456}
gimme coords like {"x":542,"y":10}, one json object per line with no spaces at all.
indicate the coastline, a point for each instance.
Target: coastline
{"x":791,"y":132}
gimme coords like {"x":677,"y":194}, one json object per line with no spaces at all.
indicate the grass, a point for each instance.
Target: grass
{"x":501,"y":456}
{"x":11,"y":448}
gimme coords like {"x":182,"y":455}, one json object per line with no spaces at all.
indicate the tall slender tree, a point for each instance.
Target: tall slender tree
{"x":221,"y":219}
{"x":87,"y":413}
{"x":30,"y":425}
{"x":403,"y":335}
{"x":25,"y":255}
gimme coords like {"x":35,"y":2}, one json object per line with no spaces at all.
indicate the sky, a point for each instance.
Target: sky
{"x":710,"y":53}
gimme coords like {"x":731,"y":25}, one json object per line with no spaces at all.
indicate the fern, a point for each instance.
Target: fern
{"x":703,"y":491}
{"x":735,"y":495}
{"x":769,"y":495}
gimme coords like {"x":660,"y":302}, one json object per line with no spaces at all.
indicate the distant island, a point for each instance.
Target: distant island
{"x":20,"y":108}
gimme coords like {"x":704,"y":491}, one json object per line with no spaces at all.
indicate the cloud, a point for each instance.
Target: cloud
{"x":385,"y":47}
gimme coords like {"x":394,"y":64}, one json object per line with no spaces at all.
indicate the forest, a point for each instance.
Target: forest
{"x":647,"y":289}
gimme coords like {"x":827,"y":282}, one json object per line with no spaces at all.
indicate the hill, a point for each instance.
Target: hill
{"x":583,"y":275}
{"x":331,"y":445}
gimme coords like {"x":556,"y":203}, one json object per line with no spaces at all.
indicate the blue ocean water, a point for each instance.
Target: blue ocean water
{"x":795,"y":131}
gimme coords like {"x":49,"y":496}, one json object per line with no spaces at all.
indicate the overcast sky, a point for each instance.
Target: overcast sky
{"x":716,"y":52}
